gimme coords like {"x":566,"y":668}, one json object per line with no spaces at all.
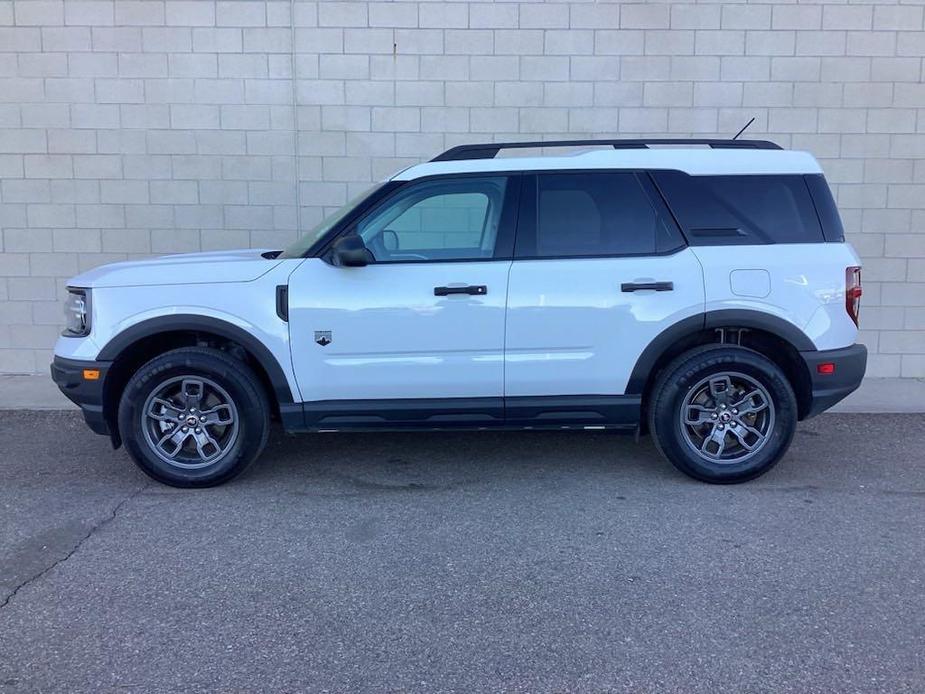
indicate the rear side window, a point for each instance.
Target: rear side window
{"x":590,"y":214}
{"x":752,"y":209}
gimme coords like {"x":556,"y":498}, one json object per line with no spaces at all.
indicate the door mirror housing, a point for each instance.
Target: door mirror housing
{"x":350,"y":251}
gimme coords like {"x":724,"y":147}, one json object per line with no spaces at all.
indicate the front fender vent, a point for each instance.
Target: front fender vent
{"x":282,"y":302}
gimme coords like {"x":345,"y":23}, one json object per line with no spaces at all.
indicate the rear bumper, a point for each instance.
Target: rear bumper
{"x":829,"y":388}
{"x":68,"y":374}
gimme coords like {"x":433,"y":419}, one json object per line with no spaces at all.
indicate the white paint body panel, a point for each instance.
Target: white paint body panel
{"x":249,"y":305}
{"x":807,"y":285}
{"x":572,"y":331}
{"x":185,"y":269}
{"x":568,"y":330}
{"x":392,"y":338}
{"x":752,"y":283}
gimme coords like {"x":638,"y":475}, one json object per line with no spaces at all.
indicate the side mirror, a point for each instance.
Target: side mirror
{"x":350,"y":251}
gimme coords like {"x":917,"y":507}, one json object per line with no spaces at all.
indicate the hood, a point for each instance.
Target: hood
{"x":188,"y":268}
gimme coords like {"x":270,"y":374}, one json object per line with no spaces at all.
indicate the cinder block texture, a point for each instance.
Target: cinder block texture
{"x":137,"y":127}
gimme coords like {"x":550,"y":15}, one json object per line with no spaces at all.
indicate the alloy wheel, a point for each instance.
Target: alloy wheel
{"x":727,"y":417}
{"x":190,"y":422}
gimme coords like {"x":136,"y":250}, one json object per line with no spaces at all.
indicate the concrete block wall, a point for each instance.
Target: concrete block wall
{"x":138,"y":127}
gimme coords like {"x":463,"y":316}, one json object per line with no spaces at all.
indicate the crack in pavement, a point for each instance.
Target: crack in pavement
{"x":77,"y":545}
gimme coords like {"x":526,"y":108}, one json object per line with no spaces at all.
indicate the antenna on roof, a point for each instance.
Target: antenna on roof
{"x":744,"y":128}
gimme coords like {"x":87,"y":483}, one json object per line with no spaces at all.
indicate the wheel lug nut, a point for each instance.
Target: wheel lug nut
{"x":721,"y":426}
{"x":714,"y":415}
{"x":735,"y":411}
{"x":202,"y":419}
{"x":198,"y":430}
{"x":185,"y":428}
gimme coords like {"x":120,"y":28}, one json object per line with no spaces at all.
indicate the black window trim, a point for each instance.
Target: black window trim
{"x":831,"y":232}
{"x":504,"y":242}
{"x":664,"y":213}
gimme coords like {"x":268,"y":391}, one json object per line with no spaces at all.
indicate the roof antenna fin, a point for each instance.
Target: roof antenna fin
{"x":744,"y":127}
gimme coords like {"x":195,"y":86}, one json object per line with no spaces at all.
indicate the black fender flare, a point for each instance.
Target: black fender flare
{"x":193,"y":323}
{"x":739,"y":318}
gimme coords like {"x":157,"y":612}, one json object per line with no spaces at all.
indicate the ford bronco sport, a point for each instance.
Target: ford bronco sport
{"x":700,"y":291}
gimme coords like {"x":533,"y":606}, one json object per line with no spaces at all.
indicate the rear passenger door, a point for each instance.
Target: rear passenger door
{"x":600,"y":269}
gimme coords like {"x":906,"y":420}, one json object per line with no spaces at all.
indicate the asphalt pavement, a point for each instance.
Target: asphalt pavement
{"x":467,"y":562}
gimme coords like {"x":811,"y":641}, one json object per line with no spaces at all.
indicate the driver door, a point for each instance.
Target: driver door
{"x":417,"y":335}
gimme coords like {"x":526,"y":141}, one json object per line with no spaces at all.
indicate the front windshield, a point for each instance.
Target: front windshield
{"x":309,"y":239}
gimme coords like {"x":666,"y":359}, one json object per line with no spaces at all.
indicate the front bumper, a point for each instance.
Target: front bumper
{"x":68,"y":374}
{"x":829,"y":388}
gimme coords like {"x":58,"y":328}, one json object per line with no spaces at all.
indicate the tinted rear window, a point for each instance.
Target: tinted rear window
{"x":722,"y":210}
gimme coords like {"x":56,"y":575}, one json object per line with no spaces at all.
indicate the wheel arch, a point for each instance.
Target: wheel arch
{"x":772,"y":336}
{"x":140,"y":343}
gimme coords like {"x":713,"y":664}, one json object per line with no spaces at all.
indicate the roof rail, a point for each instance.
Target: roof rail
{"x":489,"y":150}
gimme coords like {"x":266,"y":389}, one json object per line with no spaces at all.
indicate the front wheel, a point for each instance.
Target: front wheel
{"x":723,"y":414}
{"x":194,"y":417}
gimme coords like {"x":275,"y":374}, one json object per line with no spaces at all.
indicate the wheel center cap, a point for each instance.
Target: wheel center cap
{"x":191,"y":421}
{"x":725,"y":417}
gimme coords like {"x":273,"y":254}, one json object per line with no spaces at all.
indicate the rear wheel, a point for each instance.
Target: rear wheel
{"x":723,"y":414}
{"x":194,"y":417}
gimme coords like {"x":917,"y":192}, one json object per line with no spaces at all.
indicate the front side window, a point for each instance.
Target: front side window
{"x":441,"y":219}
{"x":591,"y":214}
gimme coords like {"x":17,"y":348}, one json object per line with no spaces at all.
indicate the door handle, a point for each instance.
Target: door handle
{"x":473,"y":289}
{"x":640,"y":286}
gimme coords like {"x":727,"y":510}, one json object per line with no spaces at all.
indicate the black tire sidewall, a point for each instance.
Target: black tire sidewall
{"x":684,"y":374}
{"x":226,"y":372}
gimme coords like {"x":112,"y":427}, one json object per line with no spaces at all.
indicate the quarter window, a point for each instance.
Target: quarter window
{"x":751,"y":209}
{"x":445,"y":219}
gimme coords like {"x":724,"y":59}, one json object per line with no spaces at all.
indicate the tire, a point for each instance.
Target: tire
{"x":702,"y":422}
{"x":194,"y":417}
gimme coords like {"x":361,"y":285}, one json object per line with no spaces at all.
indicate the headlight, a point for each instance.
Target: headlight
{"x":77,"y":312}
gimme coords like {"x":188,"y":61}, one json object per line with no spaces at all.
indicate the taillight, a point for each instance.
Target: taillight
{"x":853,"y":292}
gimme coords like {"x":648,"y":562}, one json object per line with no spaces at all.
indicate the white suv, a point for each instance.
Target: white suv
{"x":698,"y":290}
